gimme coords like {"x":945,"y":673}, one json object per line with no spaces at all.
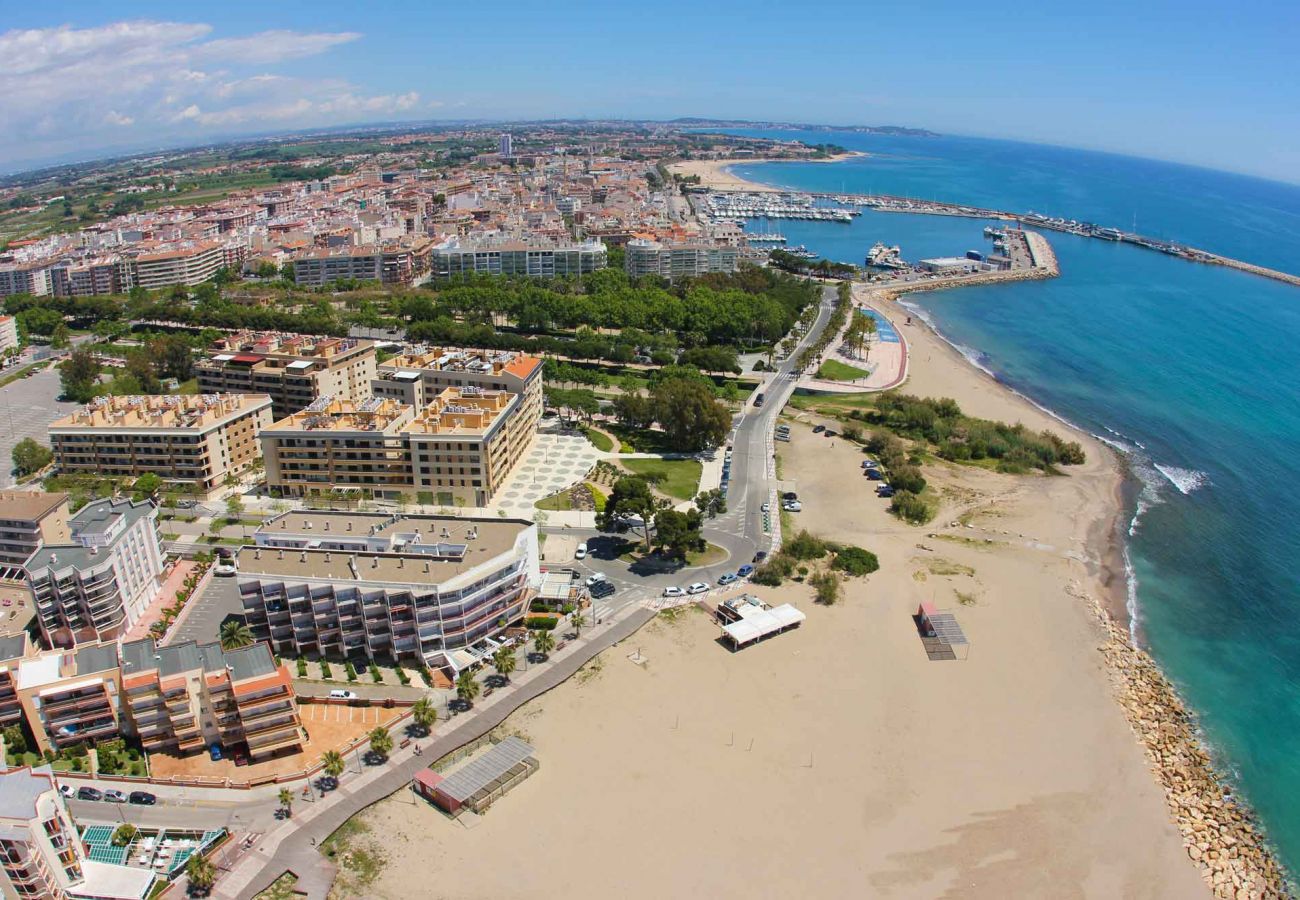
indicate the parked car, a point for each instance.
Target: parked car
{"x":868,"y":464}
{"x":336,"y":694}
{"x":766,"y":507}
{"x":760,"y":556}
{"x":89,"y":793}
{"x":830,"y":433}
{"x":224,"y":568}
{"x":602,"y":589}
{"x":142,"y":798}
{"x":595,"y":578}
{"x":214,"y":750}
{"x":884,"y":491}
{"x":789,"y":495}
{"x":792,"y":506}
{"x":729,"y":578}
{"x":698,"y":587}
{"x":67,"y":791}
{"x":745,"y":571}
{"x":874,"y":474}
{"x":818,"y":429}
{"x":114,"y":796}
{"x":674,"y":592}
{"x":581,"y":552}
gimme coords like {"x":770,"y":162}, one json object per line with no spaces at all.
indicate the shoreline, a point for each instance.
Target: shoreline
{"x":716,"y":173}
{"x":1222,"y":835}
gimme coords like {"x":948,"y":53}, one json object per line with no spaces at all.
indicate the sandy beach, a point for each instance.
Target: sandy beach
{"x":713,"y":173}
{"x":837,"y":760}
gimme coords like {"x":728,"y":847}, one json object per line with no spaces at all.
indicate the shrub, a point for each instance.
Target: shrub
{"x":805,"y":546}
{"x":375,"y":675}
{"x":777,"y":568}
{"x":351,"y":671}
{"x":910,"y":508}
{"x":325,"y":671}
{"x":426,"y":675}
{"x":402,"y":676}
{"x":76,"y":764}
{"x":827,"y":586}
{"x":855,"y":561}
{"x":302,"y":667}
{"x":542,"y":623}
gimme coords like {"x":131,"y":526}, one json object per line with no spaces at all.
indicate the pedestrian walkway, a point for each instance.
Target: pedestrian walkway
{"x":293,"y":845}
{"x":166,"y":597}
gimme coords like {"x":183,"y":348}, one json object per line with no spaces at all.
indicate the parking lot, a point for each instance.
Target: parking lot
{"x":27,"y":407}
{"x":219,"y":600}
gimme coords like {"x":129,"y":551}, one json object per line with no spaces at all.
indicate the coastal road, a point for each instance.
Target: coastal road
{"x":739,"y":531}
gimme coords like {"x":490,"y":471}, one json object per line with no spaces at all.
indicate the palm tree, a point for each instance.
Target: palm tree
{"x":235,"y":634}
{"x":201,"y":873}
{"x":381,"y":742}
{"x":544,"y":642}
{"x":286,"y":801}
{"x":424,"y":713}
{"x":466,"y":687}
{"x":504,"y":662}
{"x":577,"y":620}
{"x":334,"y":763}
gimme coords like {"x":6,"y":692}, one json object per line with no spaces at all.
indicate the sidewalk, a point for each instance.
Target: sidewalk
{"x":293,"y":845}
{"x":166,"y":597}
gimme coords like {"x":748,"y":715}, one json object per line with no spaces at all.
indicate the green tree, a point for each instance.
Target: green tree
{"x":285,"y":798}
{"x":467,"y":688}
{"x":146,"y":486}
{"x":424,"y":714}
{"x":174,"y":356}
{"x":381,"y":742}
{"x":78,"y":373}
{"x":631,"y":496}
{"x":678,"y":533}
{"x":15,"y":740}
{"x":124,"y":835}
{"x":234,"y":507}
{"x":333,"y":763}
{"x":689,"y":414}
{"x":711,"y":503}
{"x":504,"y":662}
{"x":30,"y":457}
{"x":544,"y":642}
{"x":140,"y":365}
{"x":855,"y":561}
{"x":201,"y":873}
{"x":61,"y":337}
{"x":235,"y":634}
{"x":577,"y":620}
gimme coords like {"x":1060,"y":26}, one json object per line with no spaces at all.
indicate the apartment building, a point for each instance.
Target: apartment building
{"x":455,"y":257}
{"x":92,"y":278}
{"x":192,"y":264}
{"x":192,"y":441}
{"x":292,"y":369}
{"x":29,"y":519}
{"x":403,"y":263}
{"x":25,"y":278}
{"x":94,"y":586}
{"x":40,"y":852}
{"x":186,"y":697}
{"x":432,"y":588}
{"x":72,"y":696}
{"x":673,"y":261}
{"x":416,"y":377}
{"x":8,"y":333}
{"x":458,"y":448}
{"x":14,"y":648}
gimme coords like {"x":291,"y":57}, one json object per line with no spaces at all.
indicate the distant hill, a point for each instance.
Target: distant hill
{"x":696,"y":122}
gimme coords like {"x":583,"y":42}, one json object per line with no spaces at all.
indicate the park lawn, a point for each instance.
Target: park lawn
{"x":681,"y":477}
{"x":838,"y":371}
{"x":639,"y":440}
{"x":561,"y":501}
{"x":601,"y":441}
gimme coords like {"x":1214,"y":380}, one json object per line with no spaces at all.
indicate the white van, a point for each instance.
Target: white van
{"x":339,"y":694}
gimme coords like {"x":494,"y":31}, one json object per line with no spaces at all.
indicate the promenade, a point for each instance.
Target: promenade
{"x":292,"y":847}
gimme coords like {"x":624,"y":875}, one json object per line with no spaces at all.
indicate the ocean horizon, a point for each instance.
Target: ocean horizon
{"x":1187,"y":370}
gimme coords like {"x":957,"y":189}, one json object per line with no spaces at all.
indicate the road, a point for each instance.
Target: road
{"x":739,"y":531}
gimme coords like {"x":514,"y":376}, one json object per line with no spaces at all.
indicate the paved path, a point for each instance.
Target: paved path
{"x":293,"y":846}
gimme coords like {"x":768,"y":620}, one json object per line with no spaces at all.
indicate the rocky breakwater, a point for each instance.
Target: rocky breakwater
{"x":1219,"y":832}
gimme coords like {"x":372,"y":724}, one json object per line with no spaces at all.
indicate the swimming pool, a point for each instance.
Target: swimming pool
{"x":884,"y":331}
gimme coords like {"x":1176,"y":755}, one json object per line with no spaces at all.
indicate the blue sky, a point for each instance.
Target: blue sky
{"x":1212,"y":84}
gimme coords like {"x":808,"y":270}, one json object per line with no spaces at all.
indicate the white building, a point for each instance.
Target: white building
{"x":505,"y":146}
{"x":8,"y":333}
{"x":672,"y":261}
{"x":95,"y":587}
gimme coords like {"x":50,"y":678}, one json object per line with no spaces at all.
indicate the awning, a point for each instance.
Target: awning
{"x":761,"y":623}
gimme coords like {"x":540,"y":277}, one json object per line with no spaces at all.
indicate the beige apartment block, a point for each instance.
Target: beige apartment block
{"x":416,"y":377}
{"x":293,"y":369}
{"x":457,"y":449}
{"x":194,"y":441}
{"x":29,"y":519}
{"x":72,"y":696}
{"x":191,"y":264}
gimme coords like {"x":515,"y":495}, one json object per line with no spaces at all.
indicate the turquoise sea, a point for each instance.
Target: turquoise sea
{"x":1192,"y":371}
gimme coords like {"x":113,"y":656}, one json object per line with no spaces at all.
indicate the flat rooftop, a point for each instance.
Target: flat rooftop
{"x":144,"y":655}
{"x":457,"y":359}
{"x":495,"y":538}
{"x":186,"y":411}
{"x":29,"y":506}
{"x":382,"y":415}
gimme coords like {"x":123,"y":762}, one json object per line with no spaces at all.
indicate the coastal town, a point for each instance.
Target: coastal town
{"x":375,"y":495}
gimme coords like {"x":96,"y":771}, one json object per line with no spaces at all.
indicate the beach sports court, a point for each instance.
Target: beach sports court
{"x":884,"y":328}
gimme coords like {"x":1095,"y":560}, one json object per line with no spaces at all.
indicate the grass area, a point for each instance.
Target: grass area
{"x":678,"y":478}
{"x":189,"y":387}
{"x":941,"y":566}
{"x":835,"y":406}
{"x":281,"y":889}
{"x":561,"y":501}
{"x":710,"y":555}
{"x":359,"y":861}
{"x":640,"y":440}
{"x":834,"y":370}
{"x":601,"y":441}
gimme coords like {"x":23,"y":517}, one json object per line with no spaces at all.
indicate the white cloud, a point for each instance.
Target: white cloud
{"x":167,"y":82}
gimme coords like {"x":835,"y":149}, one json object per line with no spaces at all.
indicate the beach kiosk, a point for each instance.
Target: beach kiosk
{"x":746,"y":620}
{"x":480,"y":780}
{"x":941,"y":633}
